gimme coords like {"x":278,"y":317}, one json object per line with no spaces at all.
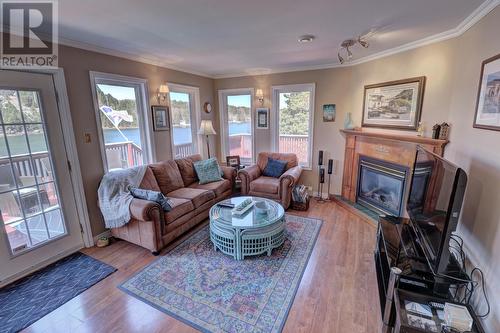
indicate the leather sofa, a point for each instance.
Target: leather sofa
{"x":280,"y":189}
{"x":151,"y":227}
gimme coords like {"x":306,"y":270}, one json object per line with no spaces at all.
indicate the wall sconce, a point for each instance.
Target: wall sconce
{"x":162,"y":93}
{"x":260,"y":96}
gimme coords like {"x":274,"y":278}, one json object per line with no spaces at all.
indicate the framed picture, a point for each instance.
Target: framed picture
{"x":263,"y":118}
{"x":160,"y":118}
{"x":488,"y":96}
{"x":233,"y":161}
{"x":329,"y":112}
{"x":395,"y":104}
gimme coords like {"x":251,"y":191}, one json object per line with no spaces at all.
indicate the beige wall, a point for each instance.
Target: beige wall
{"x":331,"y":86}
{"x":77,"y":63}
{"x":344,"y":87}
{"x":452,"y":69}
{"x":478,"y":152}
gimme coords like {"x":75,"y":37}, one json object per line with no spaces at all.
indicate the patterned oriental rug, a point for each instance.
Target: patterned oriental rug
{"x":212,"y":292}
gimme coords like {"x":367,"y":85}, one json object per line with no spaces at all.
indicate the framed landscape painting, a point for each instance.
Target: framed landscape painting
{"x":395,"y":104}
{"x":488,"y":96}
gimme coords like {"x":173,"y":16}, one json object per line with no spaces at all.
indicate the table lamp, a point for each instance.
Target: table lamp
{"x":207,"y":128}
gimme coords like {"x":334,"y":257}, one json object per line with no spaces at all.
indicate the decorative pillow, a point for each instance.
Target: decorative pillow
{"x":155,"y":196}
{"x":274,"y":168}
{"x":208,"y":171}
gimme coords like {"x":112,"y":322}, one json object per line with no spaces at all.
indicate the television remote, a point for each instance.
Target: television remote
{"x":437,"y":305}
{"x":226,"y":205}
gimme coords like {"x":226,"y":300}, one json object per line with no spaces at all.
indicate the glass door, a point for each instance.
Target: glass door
{"x":37,"y":205}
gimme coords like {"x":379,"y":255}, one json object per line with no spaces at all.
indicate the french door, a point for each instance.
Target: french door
{"x":38,"y":213}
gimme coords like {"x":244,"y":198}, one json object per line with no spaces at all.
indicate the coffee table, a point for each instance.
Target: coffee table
{"x":249,"y":234}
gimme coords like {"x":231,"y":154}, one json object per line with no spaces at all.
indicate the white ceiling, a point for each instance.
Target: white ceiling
{"x":220,"y":38}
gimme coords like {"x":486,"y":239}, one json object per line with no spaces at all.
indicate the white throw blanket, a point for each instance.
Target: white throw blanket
{"x":115,"y":197}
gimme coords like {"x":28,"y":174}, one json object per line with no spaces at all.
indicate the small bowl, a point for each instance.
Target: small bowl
{"x":261,"y":207}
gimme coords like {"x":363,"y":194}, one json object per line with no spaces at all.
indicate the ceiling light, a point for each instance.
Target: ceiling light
{"x":306,"y":39}
{"x":347,"y":45}
{"x":363,"y":42}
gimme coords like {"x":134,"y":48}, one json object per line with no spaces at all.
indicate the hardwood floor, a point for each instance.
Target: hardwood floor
{"x":338,"y":292}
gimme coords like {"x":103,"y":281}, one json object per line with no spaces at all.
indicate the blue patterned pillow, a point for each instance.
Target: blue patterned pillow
{"x":155,"y":196}
{"x":208,"y":171}
{"x":274,"y":168}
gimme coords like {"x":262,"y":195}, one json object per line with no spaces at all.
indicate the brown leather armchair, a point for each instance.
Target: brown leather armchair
{"x":279,"y":189}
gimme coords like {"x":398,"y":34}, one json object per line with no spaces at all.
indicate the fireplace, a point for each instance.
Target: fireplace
{"x":381,"y":185}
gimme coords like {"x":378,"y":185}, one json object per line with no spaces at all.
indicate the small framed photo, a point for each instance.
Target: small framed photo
{"x":160,"y":118}
{"x":488,"y":96}
{"x":329,"y":111}
{"x":263,"y":118}
{"x":233,"y":161}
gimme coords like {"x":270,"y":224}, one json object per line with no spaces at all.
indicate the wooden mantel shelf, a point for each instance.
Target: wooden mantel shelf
{"x":396,"y":148}
{"x":397,"y":137}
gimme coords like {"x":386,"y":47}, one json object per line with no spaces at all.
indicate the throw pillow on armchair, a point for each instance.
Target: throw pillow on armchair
{"x":274,"y":168}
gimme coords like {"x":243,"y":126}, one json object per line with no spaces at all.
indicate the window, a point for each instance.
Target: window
{"x":237,"y":123}
{"x":293,"y":127}
{"x":122,"y":116}
{"x":184,"y":105}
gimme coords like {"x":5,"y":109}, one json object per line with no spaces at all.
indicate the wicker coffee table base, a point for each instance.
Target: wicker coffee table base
{"x":241,"y":243}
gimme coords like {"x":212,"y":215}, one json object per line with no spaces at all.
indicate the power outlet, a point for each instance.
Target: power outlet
{"x":309,"y":188}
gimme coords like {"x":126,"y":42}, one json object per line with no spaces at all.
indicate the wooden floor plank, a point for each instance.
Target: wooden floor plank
{"x":338,"y":292}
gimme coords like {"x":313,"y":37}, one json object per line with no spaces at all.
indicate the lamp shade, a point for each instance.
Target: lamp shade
{"x":163,"y":89}
{"x":259,"y":93}
{"x":206,"y":128}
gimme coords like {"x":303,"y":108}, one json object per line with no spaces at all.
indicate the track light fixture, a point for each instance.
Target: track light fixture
{"x":346,"y":47}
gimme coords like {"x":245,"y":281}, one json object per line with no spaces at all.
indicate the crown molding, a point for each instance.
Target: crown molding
{"x":127,"y":55}
{"x":484,"y":9}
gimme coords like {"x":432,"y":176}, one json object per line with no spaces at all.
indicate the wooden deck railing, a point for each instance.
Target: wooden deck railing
{"x":130,"y":153}
{"x":183,"y":150}
{"x":241,"y":144}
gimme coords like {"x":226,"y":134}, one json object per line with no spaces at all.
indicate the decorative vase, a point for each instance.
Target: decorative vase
{"x":348,"y":124}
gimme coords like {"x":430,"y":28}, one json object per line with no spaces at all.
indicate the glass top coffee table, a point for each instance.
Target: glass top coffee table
{"x":249,"y":234}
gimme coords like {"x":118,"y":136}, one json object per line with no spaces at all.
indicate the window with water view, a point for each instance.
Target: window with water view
{"x":122,"y":131}
{"x":182,"y":129}
{"x":239,"y":127}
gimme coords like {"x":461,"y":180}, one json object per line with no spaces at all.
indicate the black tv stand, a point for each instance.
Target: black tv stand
{"x":397,"y":247}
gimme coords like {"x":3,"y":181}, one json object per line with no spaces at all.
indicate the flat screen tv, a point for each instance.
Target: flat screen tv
{"x":436,"y":194}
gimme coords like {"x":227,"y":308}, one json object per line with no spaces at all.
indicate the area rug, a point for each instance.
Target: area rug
{"x":32,"y":297}
{"x":213,"y":292}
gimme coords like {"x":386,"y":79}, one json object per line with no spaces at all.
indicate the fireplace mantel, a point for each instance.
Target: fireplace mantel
{"x":394,"y":148}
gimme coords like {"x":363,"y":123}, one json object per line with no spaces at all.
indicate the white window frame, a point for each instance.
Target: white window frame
{"x":224,"y":129}
{"x":145,"y":121}
{"x":275,"y":91}
{"x":194,"y":102}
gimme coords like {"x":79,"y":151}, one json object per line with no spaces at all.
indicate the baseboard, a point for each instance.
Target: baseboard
{"x":106,"y":234}
{"x":38,"y":266}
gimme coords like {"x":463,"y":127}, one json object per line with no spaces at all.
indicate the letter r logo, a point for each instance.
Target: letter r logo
{"x":28,"y":27}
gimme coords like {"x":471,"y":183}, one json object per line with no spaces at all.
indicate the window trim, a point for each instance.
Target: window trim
{"x":196,"y":116}
{"x":224,"y":130}
{"x":145,"y":120}
{"x":275,"y":90}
